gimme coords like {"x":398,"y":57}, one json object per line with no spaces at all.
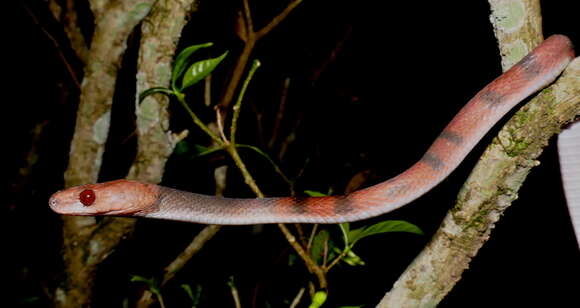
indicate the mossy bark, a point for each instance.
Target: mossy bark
{"x":489,"y":190}
{"x":501,"y":171}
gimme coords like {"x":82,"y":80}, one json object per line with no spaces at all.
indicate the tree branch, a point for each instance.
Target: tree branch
{"x":517,"y":25}
{"x":488,"y":192}
{"x":250,"y":38}
{"x":278,"y":19}
{"x":497,"y":177}
{"x":82,"y":251}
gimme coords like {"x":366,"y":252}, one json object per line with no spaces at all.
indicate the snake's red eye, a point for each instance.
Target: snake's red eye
{"x":87,"y":197}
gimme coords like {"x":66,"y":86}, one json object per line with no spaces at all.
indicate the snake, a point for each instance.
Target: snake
{"x":138,"y":199}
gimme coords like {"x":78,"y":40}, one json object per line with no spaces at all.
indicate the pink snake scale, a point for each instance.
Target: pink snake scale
{"x":128,"y":198}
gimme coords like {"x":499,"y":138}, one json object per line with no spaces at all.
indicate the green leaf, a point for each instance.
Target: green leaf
{"x":317,"y":250}
{"x":187,"y":290}
{"x":199,"y":70}
{"x":352,"y":259}
{"x":318,"y":299}
{"x":182,"y":147}
{"x":151,"y":283}
{"x":231,"y":283}
{"x":263,"y":154}
{"x":345,"y":228}
{"x":137,"y":278}
{"x":292,"y":259}
{"x":193,"y":296}
{"x":183,"y":59}
{"x":313,"y":193}
{"x":153,"y":286}
{"x":31,"y":300}
{"x":382,"y":227}
{"x":203,"y":151}
{"x":154,"y":90}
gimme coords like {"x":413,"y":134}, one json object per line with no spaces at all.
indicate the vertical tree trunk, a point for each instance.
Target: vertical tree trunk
{"x":84,"y":248}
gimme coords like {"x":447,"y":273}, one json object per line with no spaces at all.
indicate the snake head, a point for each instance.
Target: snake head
{"x":119,"y":197}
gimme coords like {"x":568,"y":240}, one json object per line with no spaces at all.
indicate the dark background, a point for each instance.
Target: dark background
{"x":404,"y":69}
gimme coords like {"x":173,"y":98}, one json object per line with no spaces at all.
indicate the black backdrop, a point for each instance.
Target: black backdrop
{"x":403,"y":70}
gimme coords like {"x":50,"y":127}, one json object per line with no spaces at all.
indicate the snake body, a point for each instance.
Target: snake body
{"x":569,"y":152}
{"x":130,"y":198}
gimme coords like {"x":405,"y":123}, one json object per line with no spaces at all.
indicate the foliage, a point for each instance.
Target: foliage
{"x":194,"y":296}
{"x":322,"y":250}
{"x":152,"y":285}
{"x":189,"y":75}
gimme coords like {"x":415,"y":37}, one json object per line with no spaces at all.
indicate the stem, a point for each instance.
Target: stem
{"x":278,"y":19}
{"x":312,"y":267}
{"x":297,"y":298}
{"x":248,"y":179}
{"x":312,"y":235}
{"x":252,"y":38}
{"x":237,"y":107}
{"x":235,"y":294}
{"x":194,"y":247}
{"x":160,"y":299}
{"x":274,"y":165}
{"x":337,"y":259}
{"x":196,"y":120}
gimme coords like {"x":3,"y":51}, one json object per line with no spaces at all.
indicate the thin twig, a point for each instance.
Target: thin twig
{"x":160,"y":299}
{"x":248,"y":18}
{"x":310,"y":264}
{"x":207,"y":91}
{"x":197,"y":121}
{"x":66,"y":63}
{"x":332,"y":56}
{"x":337,"y":259}
{"x":312,"y":234}
{"x":220,"y":126}
{"x":297,"y":298}
{"x":301,"y":235}
{"x":235,"y":294}
{"x":74,"y":33}
{"x":238,"y":106}
{"x":278,"y":19}
{"x":274,"y":165}
{"x":193,"y":248}
{"x":251,"y":38}
{"x":248,"y":179}
{"x":280,"y":114}
{"x":230,"y":147}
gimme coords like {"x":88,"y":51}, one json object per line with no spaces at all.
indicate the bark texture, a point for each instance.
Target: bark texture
{"x":517,"y":25}
{"x":499,"y":174}
{"x":85,"y":245}
{"x":489,"y":190}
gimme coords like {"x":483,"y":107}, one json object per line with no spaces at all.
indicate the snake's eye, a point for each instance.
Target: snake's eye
{"x":87,"y":197}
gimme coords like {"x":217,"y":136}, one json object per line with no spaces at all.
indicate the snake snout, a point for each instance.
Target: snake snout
{"x":53,"y":203}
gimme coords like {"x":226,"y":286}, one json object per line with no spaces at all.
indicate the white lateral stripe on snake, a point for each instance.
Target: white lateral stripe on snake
{"x":129,"y":198}
{"x":569,"y":152}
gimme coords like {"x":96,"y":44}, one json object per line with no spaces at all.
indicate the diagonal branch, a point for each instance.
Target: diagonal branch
{"x":488,"y":192}
{"x":517,"y":26}
{"x":278,"y":19}
{"x":250,"y":38}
